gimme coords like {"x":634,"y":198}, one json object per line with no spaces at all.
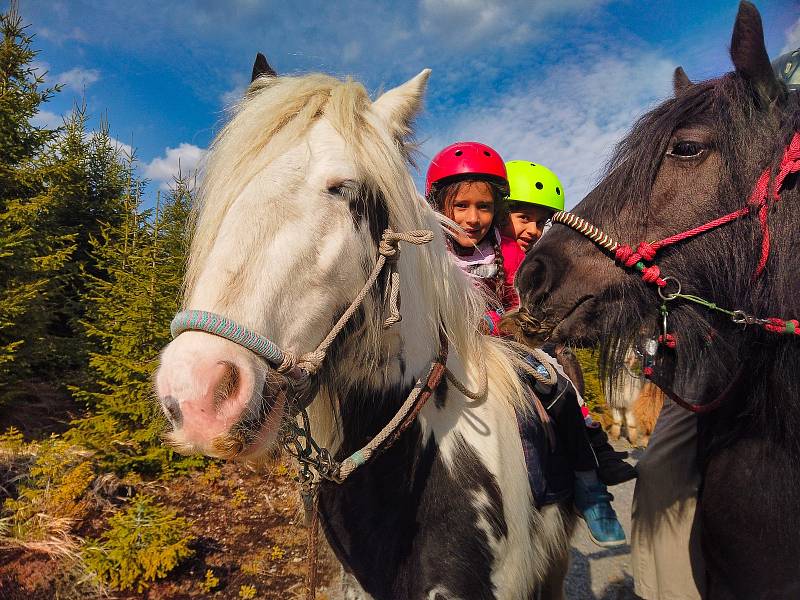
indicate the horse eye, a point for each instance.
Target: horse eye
{"x":345,"y":188}
{"x":687,"y":149}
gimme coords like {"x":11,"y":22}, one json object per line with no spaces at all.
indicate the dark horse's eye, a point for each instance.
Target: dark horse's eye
{"x":687,"y":149}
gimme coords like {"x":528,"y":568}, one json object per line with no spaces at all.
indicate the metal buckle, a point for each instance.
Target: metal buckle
{"x":667,"y":297}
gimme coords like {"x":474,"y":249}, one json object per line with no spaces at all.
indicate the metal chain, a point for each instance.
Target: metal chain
{"x":316,"y":462}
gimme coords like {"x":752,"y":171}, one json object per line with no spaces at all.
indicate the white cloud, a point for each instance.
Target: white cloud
{"x":185,"y":159}
{"x":77,"y":79}
{"x":489,"y":22}
{"x":571,"y":118}
{"x":76,"y":33}
{"x":47,"y":119}
{"x":792,"y":37}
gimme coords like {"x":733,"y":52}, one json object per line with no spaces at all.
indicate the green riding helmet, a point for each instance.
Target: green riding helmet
{"x":534,"y":183}
{"x":787,"y":69}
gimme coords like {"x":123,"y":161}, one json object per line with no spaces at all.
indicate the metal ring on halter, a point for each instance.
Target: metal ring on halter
{"x":742,"y":318}
{"x":667,"y":297}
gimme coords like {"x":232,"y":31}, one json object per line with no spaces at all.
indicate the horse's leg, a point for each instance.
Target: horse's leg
{"x":553,"y":585}
{"x":561,"y":519}
{"x":616,"y":428}
{"x":751,"y":522}
{"x":630,"y":425}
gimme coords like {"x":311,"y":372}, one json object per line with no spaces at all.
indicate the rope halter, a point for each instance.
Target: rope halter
{"x":283,"y":361}
{"x":763,"y":196}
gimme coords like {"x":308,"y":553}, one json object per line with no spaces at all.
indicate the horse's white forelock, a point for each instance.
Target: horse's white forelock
{"x":273,"y":116}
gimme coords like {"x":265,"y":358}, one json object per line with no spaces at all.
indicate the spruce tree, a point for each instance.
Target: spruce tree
{"x":86,"y":180}
{"x":144,"y":256}
{"x":28,"y":259}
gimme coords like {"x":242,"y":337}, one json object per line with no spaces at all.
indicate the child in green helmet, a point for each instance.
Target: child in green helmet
{"x":535,"y":193}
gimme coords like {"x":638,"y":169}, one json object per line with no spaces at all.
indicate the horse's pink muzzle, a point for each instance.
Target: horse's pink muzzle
{"x":210,"y":389}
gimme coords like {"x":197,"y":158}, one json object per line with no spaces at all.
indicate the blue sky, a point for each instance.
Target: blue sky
{"x":554,"y":81}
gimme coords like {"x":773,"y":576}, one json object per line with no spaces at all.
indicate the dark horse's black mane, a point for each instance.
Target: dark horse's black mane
{"x":750,"y":134}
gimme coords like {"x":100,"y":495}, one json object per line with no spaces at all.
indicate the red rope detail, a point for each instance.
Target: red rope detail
{"x":653,"y":275}
{"x":648,"y":371}
{"x":761,"y":198}
{"x":668,"y":340}
{"x":776,"y":325}
{"x":647,"y":251}
{"x":626,"y":255}
{"x":679,"y":237}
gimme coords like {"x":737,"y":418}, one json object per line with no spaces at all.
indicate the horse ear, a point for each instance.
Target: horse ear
{"x":680,"y":81}
{"x":399,"y":106}
{"x":261,"y":68}
{"x":749,"y":55}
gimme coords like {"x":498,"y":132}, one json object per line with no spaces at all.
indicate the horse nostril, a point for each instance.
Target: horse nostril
{"x":229,"y":383}
{"x":173,"y":411}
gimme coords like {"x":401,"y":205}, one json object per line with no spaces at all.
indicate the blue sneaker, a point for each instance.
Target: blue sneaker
{"x":593,"y":504}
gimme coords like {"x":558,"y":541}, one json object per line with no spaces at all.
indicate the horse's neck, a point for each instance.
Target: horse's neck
{"x":429,"y":496}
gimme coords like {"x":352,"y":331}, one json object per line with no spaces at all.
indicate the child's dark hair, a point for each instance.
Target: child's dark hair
{"x":442,"y":195}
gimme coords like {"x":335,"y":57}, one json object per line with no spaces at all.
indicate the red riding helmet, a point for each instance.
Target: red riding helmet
{"x":463,"y":158}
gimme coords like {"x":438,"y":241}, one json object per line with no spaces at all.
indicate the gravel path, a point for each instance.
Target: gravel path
{"x":598,"y":573}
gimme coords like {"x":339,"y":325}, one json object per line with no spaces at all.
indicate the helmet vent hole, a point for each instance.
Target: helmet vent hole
{"x":558,"y":190}
{"x":487,"y":153}
{"x":539,"y":185}
{"x":533,"y":164}
{"x":459,"y":152}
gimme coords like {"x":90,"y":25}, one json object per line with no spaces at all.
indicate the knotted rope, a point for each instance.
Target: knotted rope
{"x":765,"y":193}
{"x":388,"y":251}
{"x":763,"y":200}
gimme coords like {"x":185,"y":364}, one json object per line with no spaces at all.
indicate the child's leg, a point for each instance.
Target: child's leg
{"x":592,"y":499}
{"x":593,"y":502}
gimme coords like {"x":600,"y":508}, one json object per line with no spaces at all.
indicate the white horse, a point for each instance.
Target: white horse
{"x":298,"y":189}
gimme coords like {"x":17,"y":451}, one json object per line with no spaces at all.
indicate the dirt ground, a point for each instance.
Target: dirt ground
{"x":249,"y":532}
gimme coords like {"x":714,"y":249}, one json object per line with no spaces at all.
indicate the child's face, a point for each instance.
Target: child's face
{"x":473,"y":210}
{"x":526,"y":223}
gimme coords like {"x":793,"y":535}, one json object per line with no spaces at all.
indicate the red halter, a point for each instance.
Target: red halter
{"x":765,"y":193}
{"x":760,"y":199}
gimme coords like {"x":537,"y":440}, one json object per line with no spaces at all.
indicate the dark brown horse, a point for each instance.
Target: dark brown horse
{"x":693,"y":158}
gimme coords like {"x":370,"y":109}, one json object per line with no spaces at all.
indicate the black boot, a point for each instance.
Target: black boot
{"x":612,"y":468}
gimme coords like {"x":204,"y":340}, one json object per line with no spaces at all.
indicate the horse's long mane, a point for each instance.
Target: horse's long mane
{"x":278,"y":111}
{"x":718,"y":265}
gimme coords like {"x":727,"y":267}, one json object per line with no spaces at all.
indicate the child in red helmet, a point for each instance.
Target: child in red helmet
{"x":466,"y":182}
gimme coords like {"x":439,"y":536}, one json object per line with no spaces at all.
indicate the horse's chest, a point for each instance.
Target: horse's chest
{"x":420,"y":528}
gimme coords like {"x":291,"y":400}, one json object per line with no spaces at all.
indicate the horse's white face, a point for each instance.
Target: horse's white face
{"x":287,"y":259}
